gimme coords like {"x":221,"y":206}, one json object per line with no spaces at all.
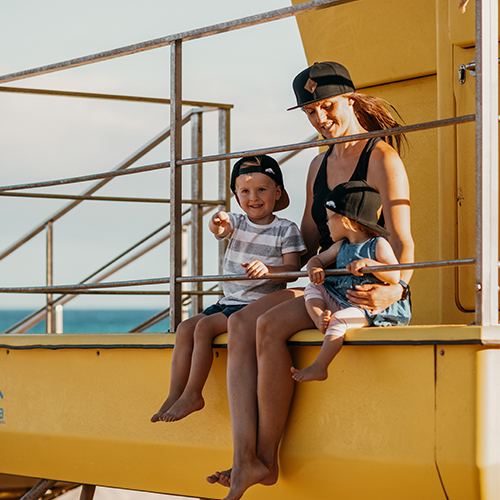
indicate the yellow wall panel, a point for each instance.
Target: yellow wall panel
{"x":378,"y":40}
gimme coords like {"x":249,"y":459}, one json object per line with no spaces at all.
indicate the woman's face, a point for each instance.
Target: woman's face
{"x":331,"y":117}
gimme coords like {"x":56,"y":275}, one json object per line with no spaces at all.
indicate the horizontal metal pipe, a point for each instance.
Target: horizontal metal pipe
{"x":116,"y":292}
{"x":113,"y":97}
{"x":107,"y":198}
{"x":418,"y":127}
{"x":334,"y":272}
{"x":233,"y":277}
{"x":186,"y":35}
{"x":149,"y":146}
{"x":227,"y":156}
{"x":37,"y":316}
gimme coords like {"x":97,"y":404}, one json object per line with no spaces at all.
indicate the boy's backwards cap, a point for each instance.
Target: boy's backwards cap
{"x":265,"y":165}
{"x":357,"y":201}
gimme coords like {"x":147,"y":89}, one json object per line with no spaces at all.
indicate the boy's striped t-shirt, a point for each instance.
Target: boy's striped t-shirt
{"x":249,"y":242}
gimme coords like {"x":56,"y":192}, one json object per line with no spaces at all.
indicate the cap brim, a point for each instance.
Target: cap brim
{"x":283,"y":202}
{"x":319,"y":99}
{"x":382,"y":231}
{"x":305,"y":104}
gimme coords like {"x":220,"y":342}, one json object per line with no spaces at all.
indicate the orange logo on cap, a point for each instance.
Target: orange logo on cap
{"x":310,"y":85}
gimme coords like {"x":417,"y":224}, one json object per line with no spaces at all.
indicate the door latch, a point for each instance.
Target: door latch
{"x":470,"y":67}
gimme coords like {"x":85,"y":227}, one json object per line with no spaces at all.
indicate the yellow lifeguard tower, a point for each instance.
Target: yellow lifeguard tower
{"x":407,"y":412}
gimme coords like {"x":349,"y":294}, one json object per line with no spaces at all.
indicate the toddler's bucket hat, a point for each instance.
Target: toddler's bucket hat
{"x":321,"y":81}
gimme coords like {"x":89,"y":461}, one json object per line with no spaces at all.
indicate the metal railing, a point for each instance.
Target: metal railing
{"x":486,"y":118}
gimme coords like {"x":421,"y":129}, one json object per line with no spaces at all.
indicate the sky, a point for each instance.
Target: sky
{"x":45,"y":138}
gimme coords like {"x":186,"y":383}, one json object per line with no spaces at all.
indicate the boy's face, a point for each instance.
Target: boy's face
{"x":257,"y":193}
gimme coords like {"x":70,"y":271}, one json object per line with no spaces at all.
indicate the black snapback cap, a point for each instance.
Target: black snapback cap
{"x":265,"y":165}
{"x":357,"y":201}
{"x":321,"y":81}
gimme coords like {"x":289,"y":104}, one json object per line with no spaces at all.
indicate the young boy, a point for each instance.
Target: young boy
{"x":259,"y":243}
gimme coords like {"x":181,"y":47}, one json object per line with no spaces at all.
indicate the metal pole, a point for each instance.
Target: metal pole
{"x":487,"y":162}
{"x":88,"y":491}
{"x":196,"y":210}
{"x":38,"y":490}
{"x":224,"y":172}
{"x":59,"y":322}
{"x":49,"y":317}
{"x":175,"y":183}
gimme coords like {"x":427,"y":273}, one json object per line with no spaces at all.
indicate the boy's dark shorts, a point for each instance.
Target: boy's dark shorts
{"x":226,"y":310}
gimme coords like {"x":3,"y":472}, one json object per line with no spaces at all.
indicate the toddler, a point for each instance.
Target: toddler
{"x":353,"y":210}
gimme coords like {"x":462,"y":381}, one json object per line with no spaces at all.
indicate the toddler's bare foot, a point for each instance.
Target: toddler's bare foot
{"x":184,"y":406}
{"x":160,"y":414}
{"x":323,"y":320}
{"x":313,"y":372}
{"x":223,"y":478}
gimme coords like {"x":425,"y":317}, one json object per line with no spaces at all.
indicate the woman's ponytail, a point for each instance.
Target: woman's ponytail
{"x":373,"y":114}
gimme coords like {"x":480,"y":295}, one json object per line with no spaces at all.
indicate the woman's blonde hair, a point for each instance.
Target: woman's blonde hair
{"x":373,"y":114}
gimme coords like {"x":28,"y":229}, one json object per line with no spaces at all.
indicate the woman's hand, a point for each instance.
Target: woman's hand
{"x":255,"y":269}
{"x":375,"y":297}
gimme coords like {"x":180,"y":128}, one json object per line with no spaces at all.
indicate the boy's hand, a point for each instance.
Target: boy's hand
{"x":221,"y":219}
{"x":221,"y":222}
{"x":316,"y":275}
{"x":255,"y":269}
{"x":355,"y":266}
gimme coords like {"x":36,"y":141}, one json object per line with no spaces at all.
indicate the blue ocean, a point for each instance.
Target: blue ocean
{"x":90,"y":320}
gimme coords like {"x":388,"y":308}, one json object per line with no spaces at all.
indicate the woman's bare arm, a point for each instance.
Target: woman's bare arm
{"x":386,"y":173}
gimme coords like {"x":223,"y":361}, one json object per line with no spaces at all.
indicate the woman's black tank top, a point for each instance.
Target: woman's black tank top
{"x":321,"y":191}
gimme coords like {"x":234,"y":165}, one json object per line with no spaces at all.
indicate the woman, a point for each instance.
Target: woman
{"x":259,"y":405}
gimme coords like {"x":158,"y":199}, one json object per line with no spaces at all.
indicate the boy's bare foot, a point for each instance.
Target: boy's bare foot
{"x":323,"y":320}
{"x":246,"y":475}
{"x":223,"y":478}
{"x":169,"y":402}
{"x":183,"y":407}
{"x":313,"y":372}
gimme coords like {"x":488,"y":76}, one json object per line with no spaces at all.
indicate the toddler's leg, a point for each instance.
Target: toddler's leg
{"x":319,"y":314}
{"x":181,"y":364}
{"x":316,"y":306}
{"x":340,"y":322}
{"x":192,"y":400}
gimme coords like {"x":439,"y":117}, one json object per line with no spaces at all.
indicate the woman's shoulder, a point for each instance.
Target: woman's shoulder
{"x":383,"y":150}
{"x":384,"y":161}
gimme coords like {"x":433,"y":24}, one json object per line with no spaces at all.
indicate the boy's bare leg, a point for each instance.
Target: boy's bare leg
{"x":274,"y":393}
{"x":201,"y":362}
{"x":334,"y":338}
{"x":181,"y":364}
